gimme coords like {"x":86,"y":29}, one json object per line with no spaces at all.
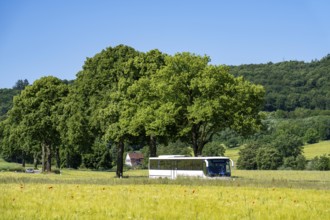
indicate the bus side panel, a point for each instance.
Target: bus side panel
{"x":191,"y":173}
{"x":160,"y":174}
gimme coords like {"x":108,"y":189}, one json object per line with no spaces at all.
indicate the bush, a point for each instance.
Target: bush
{"x":319,"y":163}
{"x":298,"y":163}
{"x":268,"y":159}
{"x":247,"y":156}
{"x":301,"y":162}
{"x":288,"y":145}
{"x":214,"y":149}
{"x":311,"y":136}
{"x":56,"y":171}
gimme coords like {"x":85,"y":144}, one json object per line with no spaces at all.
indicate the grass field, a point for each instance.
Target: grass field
{"x":318,"y":149}
{"x":232,"y":153}
{"x":279,"y":194}
{"x":9,"y":166}
{"x":68,"y":201}
{"x":98,"y":195}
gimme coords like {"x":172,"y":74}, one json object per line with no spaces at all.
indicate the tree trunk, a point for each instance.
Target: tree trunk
{"x":35,"y":160}
{"x":58,"y":158}
{"x":194,"y":140}
{"x":23,"y":159}
{"x":49,"y":159}
{"x":67,"y":155}
{"x":120,"y":159}
{"x":46,"y":158}
{"x":43,"y":157}
{"x":152,"y":146}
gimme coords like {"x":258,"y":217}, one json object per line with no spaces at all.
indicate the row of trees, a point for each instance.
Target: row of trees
{"x":125,"y":97}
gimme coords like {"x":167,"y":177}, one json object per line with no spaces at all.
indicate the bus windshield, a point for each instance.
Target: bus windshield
{"x":218,"y":167}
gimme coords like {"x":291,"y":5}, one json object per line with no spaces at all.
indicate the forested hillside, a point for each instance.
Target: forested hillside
{"x":291,"y":84}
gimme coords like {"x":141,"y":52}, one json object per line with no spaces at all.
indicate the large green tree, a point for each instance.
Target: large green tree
{"x":101,"y":87}
{"x":33,"y":118}
{"x":207,"y":99}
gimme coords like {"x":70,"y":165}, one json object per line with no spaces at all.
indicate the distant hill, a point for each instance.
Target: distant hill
{"x":291,"y":84}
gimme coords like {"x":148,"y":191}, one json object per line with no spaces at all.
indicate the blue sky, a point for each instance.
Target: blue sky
{"x":40,"y":38}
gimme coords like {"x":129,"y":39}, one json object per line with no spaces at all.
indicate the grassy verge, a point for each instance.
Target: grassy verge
{"x":5,"y":166}
{"x":262,"y":179}
{"x":318,"y":149}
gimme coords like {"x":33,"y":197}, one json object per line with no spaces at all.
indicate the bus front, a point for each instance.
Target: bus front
{"x":218,"y":167}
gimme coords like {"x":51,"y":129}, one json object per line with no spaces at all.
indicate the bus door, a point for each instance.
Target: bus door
{"x":174,"y":169}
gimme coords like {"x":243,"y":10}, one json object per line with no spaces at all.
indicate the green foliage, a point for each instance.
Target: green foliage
{"x":248,"y":157}
{"x":174,"y":148}
{"x":214,"y":149}
{"x":208,"y":99}
{"x":291,"y":84}
{"x":288,"y":145}
{"x":100,"y":157}
{"x":6,"y":101}
{"x":70,"y":159}
{"x":229,"y":138}
{"x":32,"y":122}
{"x":319,"y":163}
{"x":311,"y":136}
{"x":268,"y":159}
{"x":298,"y":163}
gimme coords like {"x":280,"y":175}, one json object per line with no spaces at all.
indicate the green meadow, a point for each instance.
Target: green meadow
{"x":318,"y":149}
{"x":254,"y":194}
{"x":100,"y":195}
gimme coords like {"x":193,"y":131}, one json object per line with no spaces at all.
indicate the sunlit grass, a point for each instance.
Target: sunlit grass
{"x":70,"y":201}
{"x":232,"y":153}
{"x":318,"y":149}
{"x":263,"y":179}
{"x":5,"y":166}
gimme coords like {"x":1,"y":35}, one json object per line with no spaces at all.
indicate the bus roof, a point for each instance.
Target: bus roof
{"x":182,"y":157}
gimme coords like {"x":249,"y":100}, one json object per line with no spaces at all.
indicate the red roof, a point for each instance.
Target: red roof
{"x":135,"y":155}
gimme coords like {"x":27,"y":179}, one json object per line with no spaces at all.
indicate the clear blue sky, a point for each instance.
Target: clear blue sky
{"x":54,"y":37}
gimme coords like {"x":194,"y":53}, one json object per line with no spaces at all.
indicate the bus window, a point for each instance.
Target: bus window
{"x":153,"y":164}
{"x":218,"y":167}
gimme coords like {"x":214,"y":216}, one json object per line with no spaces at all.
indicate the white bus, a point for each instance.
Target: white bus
{"x":172,"y":166}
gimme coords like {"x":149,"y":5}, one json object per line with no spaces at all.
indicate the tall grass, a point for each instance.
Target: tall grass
{"x":261,"y":179}
{"x":70,"y":201}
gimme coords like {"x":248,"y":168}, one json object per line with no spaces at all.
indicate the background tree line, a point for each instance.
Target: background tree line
{"x":291,"y":84}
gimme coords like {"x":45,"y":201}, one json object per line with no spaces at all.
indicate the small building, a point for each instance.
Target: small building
{"x":134,"y":159}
